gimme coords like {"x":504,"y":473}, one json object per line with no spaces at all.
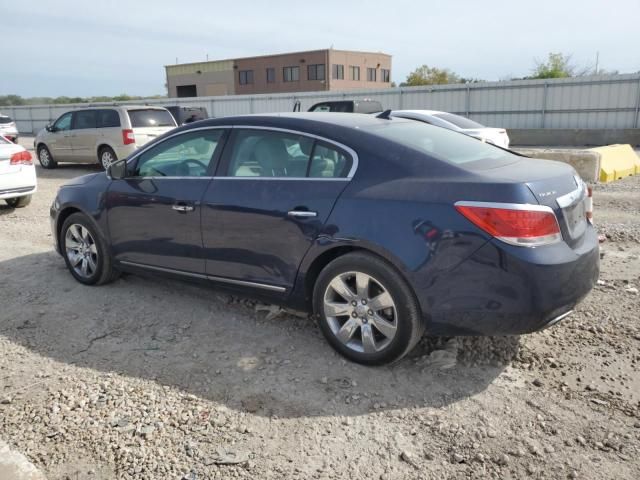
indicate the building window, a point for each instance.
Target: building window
{"x":371,"y":74}
{"x":291,"y":74}
{"x":245,"y":77}
{"x":355,"y":72}
{"x":386,"y":75}
{"x":271,"y":75}
{"x":338,"y":72}
{"x":315,"y":72}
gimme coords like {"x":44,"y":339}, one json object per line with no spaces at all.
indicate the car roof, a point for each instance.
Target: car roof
{"x":420,"y":112}
{"x":353,"y":120}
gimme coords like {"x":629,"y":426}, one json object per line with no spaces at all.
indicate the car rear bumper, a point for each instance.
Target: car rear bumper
{"x":19,"y":183}
{"x":504,"y":290}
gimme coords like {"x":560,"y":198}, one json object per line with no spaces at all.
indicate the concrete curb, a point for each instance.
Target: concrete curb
{"x":586,"y":162}
{"x":15,"y":466}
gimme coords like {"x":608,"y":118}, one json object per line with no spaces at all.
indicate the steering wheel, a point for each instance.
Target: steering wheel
{"x":186,"y":171}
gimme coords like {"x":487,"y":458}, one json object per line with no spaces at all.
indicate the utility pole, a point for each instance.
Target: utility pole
{"x":597,"y":60}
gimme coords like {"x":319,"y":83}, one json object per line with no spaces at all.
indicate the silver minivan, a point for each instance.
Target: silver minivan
{"x":100,"y":134}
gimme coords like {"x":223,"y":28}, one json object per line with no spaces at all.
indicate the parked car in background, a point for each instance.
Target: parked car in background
{"x":451,"y":121}
{"x":184,"y":115}
{"x":100,"y":134}
{"x":383,"y":227}
{"x":17,"y":174}
{"x":8,"y":128}
{"x":346,"y":106}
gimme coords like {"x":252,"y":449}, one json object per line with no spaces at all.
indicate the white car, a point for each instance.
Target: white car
{"x":8,"y":128}
{"x":17,"y":174}
{"x":497,"y":136}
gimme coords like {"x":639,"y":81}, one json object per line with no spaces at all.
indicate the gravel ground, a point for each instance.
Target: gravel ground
{"x":149,"y":378}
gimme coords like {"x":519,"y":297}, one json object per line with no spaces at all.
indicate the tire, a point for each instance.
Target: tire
{"x":393,"y":331}
{"x":19,"y":202}
{"x":106,"y":156}
{"x":45,"y":158}
{"x":74,"y":243}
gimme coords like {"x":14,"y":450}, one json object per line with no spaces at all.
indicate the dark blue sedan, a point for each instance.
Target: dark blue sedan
{"x":384,"y":228}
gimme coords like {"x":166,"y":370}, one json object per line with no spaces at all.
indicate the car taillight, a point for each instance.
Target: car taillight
{"x":516,"y":224}
{"x":589,"y":205}
{"x":128,"y":137}
{"x":21,"y":158}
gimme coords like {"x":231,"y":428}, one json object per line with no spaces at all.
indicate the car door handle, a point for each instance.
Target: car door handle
{"x":301,"y":213}
{"x":183,"y":208}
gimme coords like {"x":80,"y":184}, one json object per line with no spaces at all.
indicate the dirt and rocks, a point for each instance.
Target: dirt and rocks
{"x":149,"y":378}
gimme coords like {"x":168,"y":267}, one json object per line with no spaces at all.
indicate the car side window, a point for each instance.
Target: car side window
{"x":264,"y":153}
{"x":63,"y":123}
{"x":108,"y":118}
{"x":186,"y":155}
{"x":83,"y":119}
{"x":329,"y":162}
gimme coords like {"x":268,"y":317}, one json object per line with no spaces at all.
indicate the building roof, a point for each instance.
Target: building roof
{"x":278,"y":55}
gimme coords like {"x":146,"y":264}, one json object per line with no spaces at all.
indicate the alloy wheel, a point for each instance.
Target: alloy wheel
{"x":360,"y":312}
{"x":44,"y":157}
{"x":81,"y":250}
{"x":106,"y":158}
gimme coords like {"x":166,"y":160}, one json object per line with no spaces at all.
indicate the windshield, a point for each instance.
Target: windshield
{"x":3,"y":140}
{"x":440,"y":143}
{"x":151,"y":118}
{"x":5,"y":120}
{"x":458,"y":121}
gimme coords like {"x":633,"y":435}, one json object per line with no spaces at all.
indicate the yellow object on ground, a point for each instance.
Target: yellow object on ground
{"x":617,"y":161}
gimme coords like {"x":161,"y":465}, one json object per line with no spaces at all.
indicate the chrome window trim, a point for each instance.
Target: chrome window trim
{"x":204,"y":276}
{"x":349,"y":150}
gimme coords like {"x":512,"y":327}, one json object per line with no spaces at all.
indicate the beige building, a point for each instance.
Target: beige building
{"x":288,"y":72}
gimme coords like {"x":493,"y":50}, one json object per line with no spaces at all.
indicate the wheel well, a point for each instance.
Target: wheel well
{"x":102,"y":146}
{"x":62,"y":216}
{"x":41,"y":144}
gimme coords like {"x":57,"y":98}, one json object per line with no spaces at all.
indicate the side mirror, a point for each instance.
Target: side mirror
{"x":48,"y":128}
{"x":117,"y":170}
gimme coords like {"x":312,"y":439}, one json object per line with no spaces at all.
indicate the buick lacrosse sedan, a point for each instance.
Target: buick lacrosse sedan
{"x":384,"y":228}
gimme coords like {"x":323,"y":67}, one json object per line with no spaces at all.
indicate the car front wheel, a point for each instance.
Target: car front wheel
{"x":366,"y":310}
{"x":45,"y":158}
{"x":85,"y":252}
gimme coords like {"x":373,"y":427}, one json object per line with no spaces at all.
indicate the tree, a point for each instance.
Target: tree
{"x":556,"y":66}
{"x":426,"y":75}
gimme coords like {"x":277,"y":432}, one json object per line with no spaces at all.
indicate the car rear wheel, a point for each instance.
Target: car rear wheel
{"x":366,"y":310}
{"x":85,"y":252}
{"x":106,"y":157}
{"x":19,"y":202}
{"x":45,"y":158}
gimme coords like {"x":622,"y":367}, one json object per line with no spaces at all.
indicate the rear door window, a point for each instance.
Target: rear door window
{"x":83,"y":119}
{"x":108,"y":118}
{"x":329,"y":162}
{"x":264,"y":153}
{"x":151,"y":118}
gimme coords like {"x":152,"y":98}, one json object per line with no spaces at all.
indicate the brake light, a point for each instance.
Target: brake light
{"x":21,"y":158}
{"x":128,"y":137}
{"x":516,"y":224}
{"x":589,"y":205}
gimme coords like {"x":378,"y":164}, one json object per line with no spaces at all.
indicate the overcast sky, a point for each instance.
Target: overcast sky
{"x":89,"y":47}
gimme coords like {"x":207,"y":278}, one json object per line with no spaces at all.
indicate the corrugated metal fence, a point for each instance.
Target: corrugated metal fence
{"x":602,"y":102}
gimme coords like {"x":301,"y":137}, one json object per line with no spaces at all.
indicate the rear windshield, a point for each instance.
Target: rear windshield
{"x":440,"y":143}
{"x":5,"y":120}
{"x":3,"y":140}
{"x":151,"y":118}
{"x":458,"y":121}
